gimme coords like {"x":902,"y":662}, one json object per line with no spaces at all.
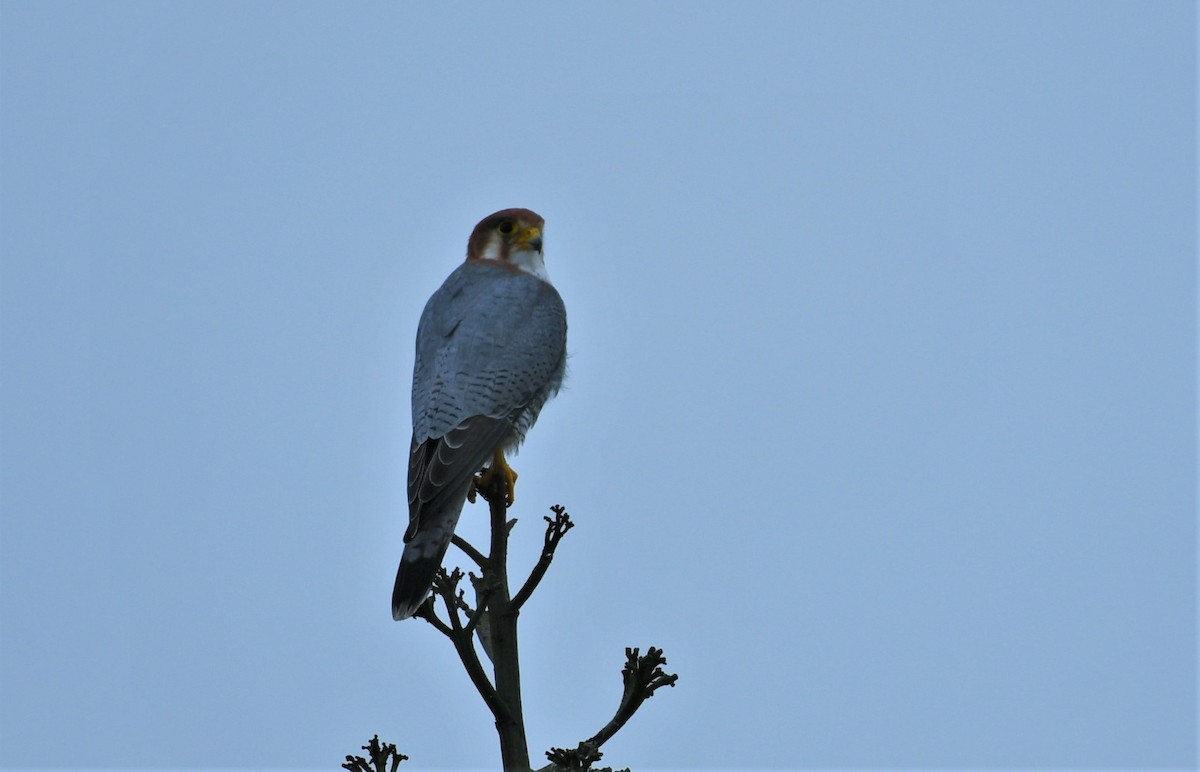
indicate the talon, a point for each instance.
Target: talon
{"x":498,"y":479}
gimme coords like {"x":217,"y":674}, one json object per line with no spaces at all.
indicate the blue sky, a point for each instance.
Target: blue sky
{"x":881,"y":407}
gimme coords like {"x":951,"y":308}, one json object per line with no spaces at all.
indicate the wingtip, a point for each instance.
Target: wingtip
{"x":413,"y":581}
{"x":421,"y":559}
{"x":405,"y":610}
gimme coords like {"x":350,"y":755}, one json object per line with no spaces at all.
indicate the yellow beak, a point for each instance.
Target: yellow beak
{"x":531,"y":238}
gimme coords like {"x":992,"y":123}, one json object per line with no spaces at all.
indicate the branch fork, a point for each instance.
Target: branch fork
{"x":493,"y":621}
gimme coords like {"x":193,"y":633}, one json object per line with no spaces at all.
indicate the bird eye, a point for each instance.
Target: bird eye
{"x":506,"y":227}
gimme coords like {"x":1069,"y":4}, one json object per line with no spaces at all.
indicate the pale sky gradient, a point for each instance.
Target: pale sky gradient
{"x":881,"y":407}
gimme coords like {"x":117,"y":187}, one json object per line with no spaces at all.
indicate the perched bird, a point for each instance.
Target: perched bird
{"x":491,"y":348}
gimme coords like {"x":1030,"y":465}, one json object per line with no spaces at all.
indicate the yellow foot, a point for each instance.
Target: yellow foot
{"x":498,"y":480}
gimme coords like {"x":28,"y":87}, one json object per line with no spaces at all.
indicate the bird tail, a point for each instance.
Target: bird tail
{"x":423,"y":554}
{"x":413,"y":580}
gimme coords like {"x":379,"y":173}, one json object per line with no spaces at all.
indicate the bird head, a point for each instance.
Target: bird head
{"x":512,"y":237}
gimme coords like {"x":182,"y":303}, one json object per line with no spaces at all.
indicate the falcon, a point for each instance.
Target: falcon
{"x":491,"y":349}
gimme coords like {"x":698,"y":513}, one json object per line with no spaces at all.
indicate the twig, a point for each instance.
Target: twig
{"x":472,"y":553}
{"x":480,"y":622}
{"x":556,"y":529}
{"x":445,"y":586}
{"x":581,"y":758}
{"x":483,"y":593}
{"x":425,"y":611}
{"x":494,"y":622}
{"x":642,"y":676}
{"x":380,"y":754}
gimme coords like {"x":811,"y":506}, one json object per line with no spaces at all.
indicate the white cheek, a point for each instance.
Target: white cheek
{"x":530,"y":262}
{"x":492,"y":252}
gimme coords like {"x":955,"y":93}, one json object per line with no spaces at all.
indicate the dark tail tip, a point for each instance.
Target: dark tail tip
{"x":413,"y":580}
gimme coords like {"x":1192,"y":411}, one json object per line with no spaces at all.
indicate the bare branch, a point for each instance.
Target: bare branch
{"x":493,"y":621}
{"x":481,"y":620}
{"x":580,"y":758}
{"x":471,"y":552}
{"x":380,"y":753}
{"x":426,"y":611}
{"x":556,"y":529}
{"x":470,"y":660}
{"x":502,"y":637}
{"x":642,"y":676}
{"x":445,"y":586}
